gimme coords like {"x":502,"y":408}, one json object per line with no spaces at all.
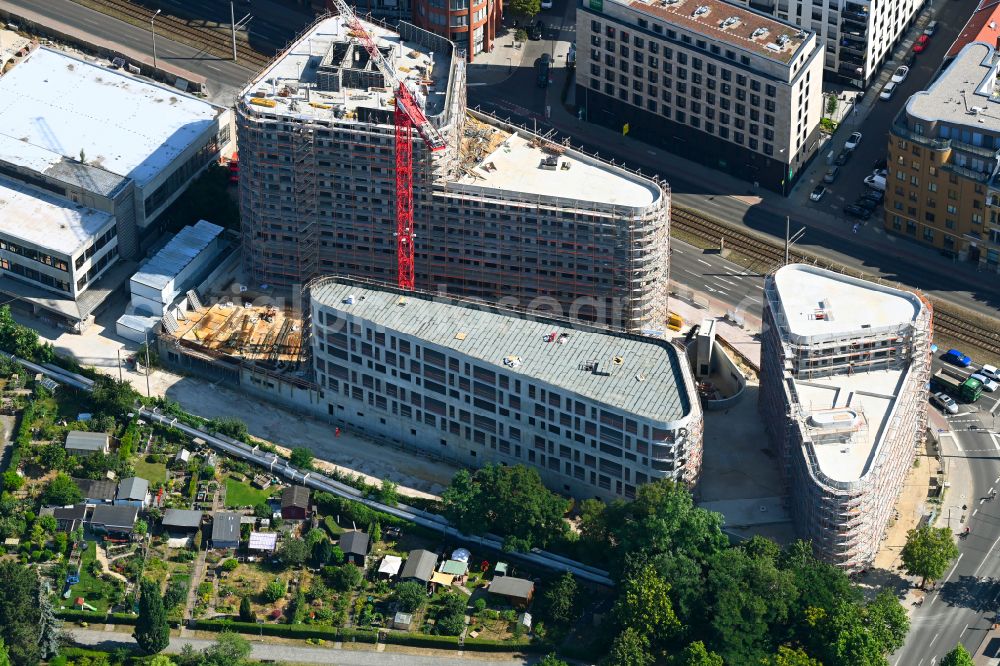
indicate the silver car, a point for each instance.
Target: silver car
{"x":945,"y":402}
{"x":988,"y":384}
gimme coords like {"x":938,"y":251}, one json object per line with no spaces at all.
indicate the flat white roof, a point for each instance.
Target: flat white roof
{"x":818,"y":302}
{"x":872,"y":396}
{"x":176,"y":255}
{"x":47,"y":221}
{"x":516,"y":166}
{"x":62,"y":105}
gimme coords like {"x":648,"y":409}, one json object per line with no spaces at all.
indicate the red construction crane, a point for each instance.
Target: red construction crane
{"x":407,"y":116}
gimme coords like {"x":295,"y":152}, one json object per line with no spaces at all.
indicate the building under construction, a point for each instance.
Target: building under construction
{"x":500,"y":214}
{"x":844,"y":371}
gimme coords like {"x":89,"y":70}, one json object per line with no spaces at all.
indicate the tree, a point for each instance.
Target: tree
{"x":887,"y":621}
{"x":508,"y":500}
{"x":696,"y":654}
{"x":61,"y":491}
{"x":548,"y":660}
{"x":4,"y":656}
{"x":644,"y":606}
{"x":389,"y":493}
{"x":20,"y":618}
{"x":344,"y":578}
{"x":297,"y":609}
{"x":301,"y":457}
{"x":559,"y":602}
{"x":160,"y":660}
{"x":314,"y":536}
{"x":230,"y":564}
{"x":787,"y":656}
{"x":629,"y":649}
{"x":322,"y":553}
{"x":175,"y":594}
{"x":152,"y":633}
{"x":113,"y":396}
{"x":526,"y":9}
{"x":928,"y":551}
{"x":294,"y":552}
{"x":230,"y":427}
{"x":958,"y":656}
{"x":451,"y":618}
{"x":246,"y":613}
{"x":49,"y":628}
{"x":262,"y":510}
{"x":12,"y":481}
{"x":141,"y":527}
{"x":409,"y":596}
{"x":273,"y":591}
{"x":229,"y":649}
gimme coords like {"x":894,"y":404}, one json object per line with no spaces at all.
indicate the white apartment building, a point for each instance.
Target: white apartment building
{"x":708,"y":80}
{"x":843,"y":392}
{"x":598,"y":413}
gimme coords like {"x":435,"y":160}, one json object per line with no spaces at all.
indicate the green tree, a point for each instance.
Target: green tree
{"x":887,"y":621}
{"x":160,"y":660}
{"x":152,"y":633}
{"x":113,"y":396}
{"x":958,"y":656}
{"x":141,"y":527}
{"x":321,"y":553}
{"x":4,"y":656}
{"x":49,"y":628}
{"x":388,"y":494}
{"x":696,"y":654}
{"x":273,"y":591}
{"x":229,"y":649}
{"x":451,"y":617}
{"x":262,"y":510}
{"x":175,"y":594}
{"x":52,"y":456}
{"x":294,"y":552}
{"x":548,"y":660}
{"x":301,"y":457}
{"x":246,"y":612}
{"x":787,"y":656}
{"x":61,"y":491}
{"x":525,"y":9}
{"x":630,"y":648}
{"x":508,"y":500}
{"x":560,"y":606}
{"x":12,"y":481}
{"x":297,"y":609}
{"x":314,"y":536}
{"x":644,"y":605}
{"x":344,"y":578}
{"x":928,"y":552}
{"x":230,"y":427}
{"x":409,"y":596}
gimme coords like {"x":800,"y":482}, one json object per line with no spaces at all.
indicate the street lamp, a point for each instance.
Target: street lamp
{"x":232,"y":22}
{"x":152,"y":31}
{"x":510,"y":66}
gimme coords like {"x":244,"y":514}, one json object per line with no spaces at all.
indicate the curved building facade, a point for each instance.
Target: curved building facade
{"x":470,"y":24}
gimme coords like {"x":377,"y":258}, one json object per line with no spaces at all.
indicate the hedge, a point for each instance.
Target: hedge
{"x":96,"y":617}
{"x":451,"y":642}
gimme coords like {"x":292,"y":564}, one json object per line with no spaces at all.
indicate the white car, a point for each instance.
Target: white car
{"x":900,"y":74}
{"x":817,"y":193}
{"x":988,"y":384}
{"x":990,"y":371}
{"x":852,"y":141}
{"x":875,"y":182}
{"x":888,"y":91}
{"x":945,"y":402}
{"x":546,"y":4}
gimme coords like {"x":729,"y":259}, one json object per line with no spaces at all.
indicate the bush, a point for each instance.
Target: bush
{"x":409,"y":596}
{"x":230,"y":564}
{"x":275,"y":590}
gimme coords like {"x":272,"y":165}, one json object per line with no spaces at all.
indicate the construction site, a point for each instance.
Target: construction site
{"x":244,"y":331}
{"x":334,"y":181}
{"x":844,"y":371}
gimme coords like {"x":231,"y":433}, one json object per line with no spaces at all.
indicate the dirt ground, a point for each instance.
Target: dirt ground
{"x":911,"y":507}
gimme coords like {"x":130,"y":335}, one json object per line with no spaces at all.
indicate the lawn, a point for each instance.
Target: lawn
{"x":152,"y":472}
{"x":95,"y":592}
{"x":242,"y":494}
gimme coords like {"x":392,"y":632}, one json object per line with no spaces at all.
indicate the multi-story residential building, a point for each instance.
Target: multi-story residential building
{"x":91,"y":156}
{"x":597,"y":412}
{"x":858,"y":35}
{"x":470,"y":24}
{"x":844,"y":371}
{"x":705,"y":79}
{"x":943,"y":186}
{"x":500,"y":213}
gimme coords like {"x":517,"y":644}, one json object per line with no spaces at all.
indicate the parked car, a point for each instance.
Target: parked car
{"x":852,"y":141}
{"x":877,"y":196}
{"x":923,"y":41}
{"x":876,"y":182}
{"x":888,"y":91}
{"x":990,"y":371}
{"x":945,"y":402}
{"x":854,"y":210}
{"x":542,"y":71}
{"x":988,"y":384}
{"x":546,"y":4}
{"x":817,"y":193}
{"x":900,"y":74}
{"x":536,"y":30}
{"x":843,"y":158}
{"x":880,"y":164}
{"x":955,"y":357}
{"x":867,"y":204}
{"x":931,"y":28}
{"x":831,"y":174}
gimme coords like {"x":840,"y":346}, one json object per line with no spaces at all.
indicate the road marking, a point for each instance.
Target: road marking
{"x":977,"y":510}
{"x":704,"y":262}
{"x":963,"y":631}
{"x":985,"y":557}
{"x":996,"y":405}
{"x":732,"y":284}
{"x":759,"y":287}
{"x":953,"y":568}
{"x":932,"y":642}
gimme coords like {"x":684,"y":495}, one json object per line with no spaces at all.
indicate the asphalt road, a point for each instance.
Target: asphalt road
{"x":963,"y":605}
{"x":718,"y":278}
{"x":285,"y":652}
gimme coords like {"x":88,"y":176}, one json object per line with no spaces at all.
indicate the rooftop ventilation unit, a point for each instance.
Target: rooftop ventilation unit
{"x":783,"y":39}
{"x":700,"y":11}
{"x":758,"y":33}
{"x":730,"y":22}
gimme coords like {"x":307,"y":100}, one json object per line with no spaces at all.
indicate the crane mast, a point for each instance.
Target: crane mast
{"x":407,"y":116}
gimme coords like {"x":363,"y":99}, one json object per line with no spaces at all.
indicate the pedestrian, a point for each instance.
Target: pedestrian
{"x":856,"y":225}
{"x":336,"y":432}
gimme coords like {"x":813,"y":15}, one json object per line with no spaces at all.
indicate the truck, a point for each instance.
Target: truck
{"x":966,"y":388}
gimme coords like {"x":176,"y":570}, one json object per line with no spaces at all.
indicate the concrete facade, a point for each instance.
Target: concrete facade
{"x":843,"y":392}
{"x":597,"y":413}
{"x":943,"y":188}
{"x":499,"y":213}
{"x":709,"y":80}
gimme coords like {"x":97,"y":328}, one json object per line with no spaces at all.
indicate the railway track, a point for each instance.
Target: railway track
{"x":211,"y":40}
{"x":951,"y":321}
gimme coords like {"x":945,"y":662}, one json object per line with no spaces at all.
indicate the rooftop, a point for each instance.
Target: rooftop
{"x":181,"y":518}
{"x":509,"y":586}
{"x":225,"y":526}
{"x":516,"y":162}
{"x":81,"y":440}
{"x":966,"y":93}
{"x":822,"y":303}
{"x":327,"y":74}
{"x":354,"y":542}
{"x":982,"y":26}
{"x":731,"y":24}
{"x":133,"y":488}
{"x":111,"y":515}
{"x":419,"y":565}
{"x":846,"y":416}
{"x":47,"y":221}
{"x":297,"y":496}
{"x":270,"y":333}
{"x":100,"y":489}
{"x":176,"y":255}
{"x":62,"y":105}
{"x":639,"y":375}
{"x":266,"y":541}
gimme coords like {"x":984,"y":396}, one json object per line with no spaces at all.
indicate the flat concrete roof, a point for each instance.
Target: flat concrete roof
{"x":176,"y":255}
{"x":870,"y":396}
{"x":126,"y":125}
{"x":822,"y":303}
{"x":48,"y":221}
{"x":638,"y":375}
{"x":970,"y":81}
{"x":516,"y":165}
{"x":298,"y":70}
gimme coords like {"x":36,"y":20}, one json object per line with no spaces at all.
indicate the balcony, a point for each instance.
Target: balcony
{"x":853,"y":57}
{"x":850,"y":70}
{"x":902,"y":131}
{"x":854,"y":37}
{"x":854,"y":24}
